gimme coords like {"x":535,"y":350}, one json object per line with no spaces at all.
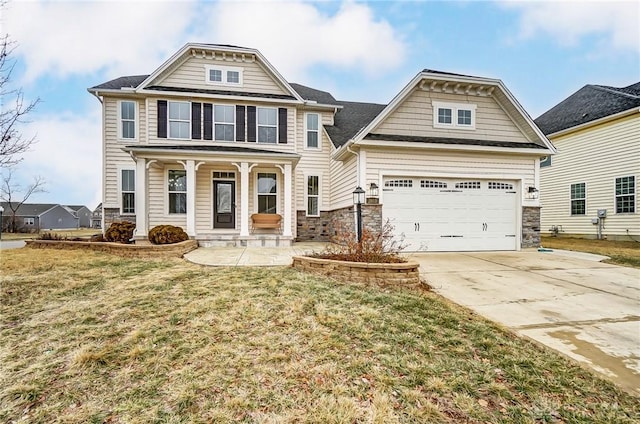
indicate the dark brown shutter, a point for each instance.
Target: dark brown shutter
{"x":208,"y":121}
{"x":251,"y":123}
{"x":162,"y":119}
{"x":282,"y":125}
{"x":195,"y":120}
{"x":239,"y":123}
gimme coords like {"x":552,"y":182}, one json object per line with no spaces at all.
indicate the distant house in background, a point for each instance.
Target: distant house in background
{"x":31,"y":217}
{"x":84,"y":215}
{"x":96,"y":217}
{"x":590,"y":186}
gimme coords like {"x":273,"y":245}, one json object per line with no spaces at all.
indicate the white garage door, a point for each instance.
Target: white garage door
{"x":437,"y":214}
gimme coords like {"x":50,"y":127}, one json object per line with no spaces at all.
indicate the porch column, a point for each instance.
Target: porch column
{"x":244,"y":199}
{"x":140,"y":200}
{"x":286,"y":229}
{"x":190,"y":166}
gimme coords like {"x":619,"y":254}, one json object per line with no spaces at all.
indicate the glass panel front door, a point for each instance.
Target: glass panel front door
{"x":224,"y":204}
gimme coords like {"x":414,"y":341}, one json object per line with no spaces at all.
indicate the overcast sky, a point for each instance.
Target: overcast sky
{"x":361,"y":51}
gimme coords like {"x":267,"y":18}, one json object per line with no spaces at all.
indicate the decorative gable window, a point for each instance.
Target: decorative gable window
{"x":626,"y":194}
{"x":179,"y":120}
{"x":312,"y":130}
{"x":454,"y":115}
{"x":578,"y":199}
{"x":127,"y":115}
{"x":223,"y":75}
{"x":224,"y":120}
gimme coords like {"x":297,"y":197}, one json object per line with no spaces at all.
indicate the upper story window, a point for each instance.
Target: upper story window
{"x":127,"y":115}
{"x":179,"y":120}
{"x":267,"y":125}
{"x":312,"y":130}
{"x":223,"y":75}
{"x":454,"y":115}
{"x":224,"y":121}
{"x":626,"y":194}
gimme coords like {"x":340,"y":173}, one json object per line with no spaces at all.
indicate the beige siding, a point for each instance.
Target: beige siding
{"x":414,"y":117}
{"x":313,"y":162}
{"x":158,"y":203}
{"x":343,"y":182}
{"x":191,"y":74}
{"x":594,"y":156}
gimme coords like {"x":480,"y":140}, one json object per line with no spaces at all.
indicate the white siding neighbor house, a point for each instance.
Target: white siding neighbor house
{"x":590,"y":187}
{"x":216,"y":141}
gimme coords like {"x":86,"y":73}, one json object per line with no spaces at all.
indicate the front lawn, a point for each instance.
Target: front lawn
{"x":89,"y":337}
{"x":625,"y":253}
{"x":71,"y":233}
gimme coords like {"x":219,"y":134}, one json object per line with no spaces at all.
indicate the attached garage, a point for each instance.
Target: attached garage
{"x":447,"y":214}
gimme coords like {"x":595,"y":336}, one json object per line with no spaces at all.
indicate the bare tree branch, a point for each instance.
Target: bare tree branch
{"x":12,"y":111}
{"x":10,"y":190}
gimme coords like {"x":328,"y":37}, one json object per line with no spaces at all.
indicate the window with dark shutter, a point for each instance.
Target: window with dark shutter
{"x":239,"y":123}
{"x":282,"y":125}
{"x":251,"y":124}
{"x":208,"y":121}
{"x":162,"y":119}
{"x":195,"y":121}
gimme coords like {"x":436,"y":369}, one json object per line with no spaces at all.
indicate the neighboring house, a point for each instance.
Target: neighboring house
{"x":39,"y":216}
{"x":83,"y":213}
{"x":96,"y":217}
{"x":216,"y":135}
{"x":597,"y":133}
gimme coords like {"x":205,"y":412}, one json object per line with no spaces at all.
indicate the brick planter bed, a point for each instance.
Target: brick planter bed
{"x":385,"y":275}
{"x":176,"y":250}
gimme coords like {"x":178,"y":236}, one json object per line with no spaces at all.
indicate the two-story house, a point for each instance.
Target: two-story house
{"x":216,"y":135}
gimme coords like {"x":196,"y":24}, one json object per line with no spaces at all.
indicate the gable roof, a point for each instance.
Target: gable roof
{"x":315,"y":95}
{"x":76,"y":207}
{"x":29,"y":209}
{"x":590,"y":103}
{"x":348,"y":121}
{"x":132,"y":81}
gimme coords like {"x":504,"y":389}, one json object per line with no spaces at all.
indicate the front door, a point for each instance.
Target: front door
{"x":224,"y":205}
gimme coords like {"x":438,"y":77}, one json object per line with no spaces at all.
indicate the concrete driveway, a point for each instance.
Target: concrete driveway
{"x":11,"y":244}
{"x":587,"y":310}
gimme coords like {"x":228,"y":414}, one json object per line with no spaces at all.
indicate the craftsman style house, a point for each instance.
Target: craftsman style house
{"x":590,"y":188}
{"x":216,"y":141}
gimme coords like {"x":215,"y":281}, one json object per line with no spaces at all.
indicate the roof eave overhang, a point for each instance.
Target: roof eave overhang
{"x":596,"y":122}
{"x":175,"y":154}
{"x":163,"y":93}
{"x":453,"y":147}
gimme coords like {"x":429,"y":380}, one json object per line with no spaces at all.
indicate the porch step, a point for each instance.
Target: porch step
{"x":258,"y":240}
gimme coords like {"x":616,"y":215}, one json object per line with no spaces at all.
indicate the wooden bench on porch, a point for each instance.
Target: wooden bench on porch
{"x":265,"y":221}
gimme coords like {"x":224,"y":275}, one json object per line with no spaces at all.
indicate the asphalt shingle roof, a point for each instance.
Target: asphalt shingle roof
{"x":351,"y":119}
{"x":588,"y":104}
{"x":116,"y":84}
{"x":28,"y":209}
{"x":449,"y":140}
{"x":206,"y":148}
{"x":309,"y":93}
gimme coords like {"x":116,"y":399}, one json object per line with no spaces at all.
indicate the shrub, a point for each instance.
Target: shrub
{"x":167,"y":234}
{"x":120,"y":232}
{"x":374,"y":247}
{"x":50,"y":236}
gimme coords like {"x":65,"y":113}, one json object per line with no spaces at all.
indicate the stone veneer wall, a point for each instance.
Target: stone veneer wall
{"x":531,"y":226}
{"x":156,"y":251}
{"x":326,"y":226}
{"x":112,"y":215}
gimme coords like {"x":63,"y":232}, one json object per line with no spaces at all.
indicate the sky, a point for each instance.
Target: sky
{"x":359,"y":51}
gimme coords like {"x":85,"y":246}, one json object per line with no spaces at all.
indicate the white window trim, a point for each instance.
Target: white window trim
{"x":279,"y":177}
{"x":225,"y":70}
{"x":454,"y":115}
{"x":306,"y":131}
{"x":166,"y":191}
{"x":635,"y":197}
{"x":268,"y":126}
{"x":224,"y":123}
{"x":120,"y":205}
{"x":582,"y":198}
{"x":29,"y":221}
{"x":306,"y":194}
{"x":177,"y":120}
{"x":135,"y":121}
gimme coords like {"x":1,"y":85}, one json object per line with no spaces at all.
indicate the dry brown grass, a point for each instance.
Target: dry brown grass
{"x":621,"y":252}
{"x":83,"y":232}
{"x":89,"y":337}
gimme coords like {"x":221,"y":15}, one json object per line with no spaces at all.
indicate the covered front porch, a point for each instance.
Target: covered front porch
{"x":212,"y":192}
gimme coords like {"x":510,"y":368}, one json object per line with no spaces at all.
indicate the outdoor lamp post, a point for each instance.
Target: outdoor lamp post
{"x":358,"y":200}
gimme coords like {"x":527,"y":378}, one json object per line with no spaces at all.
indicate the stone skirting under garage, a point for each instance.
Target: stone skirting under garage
{"x":326,"y":226}
{"x":530,"y":226}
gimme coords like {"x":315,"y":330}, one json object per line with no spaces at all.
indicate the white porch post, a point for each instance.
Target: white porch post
{"x":190,"y":166}
{"x":244,"y":199}
{"x":286,"y":230}
{"x":141,"y":198}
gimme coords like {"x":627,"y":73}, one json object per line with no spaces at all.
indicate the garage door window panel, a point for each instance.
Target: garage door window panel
{"x":432,"y":184}
{"x":399,"y":183}
{"x":578,"y":199}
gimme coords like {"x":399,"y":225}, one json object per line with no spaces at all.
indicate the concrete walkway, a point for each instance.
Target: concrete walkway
{"x":587,"y":310}
{"x":11,"y":244}
{"x":251,"y":256}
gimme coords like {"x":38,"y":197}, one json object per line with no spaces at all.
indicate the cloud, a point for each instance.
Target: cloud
{"x":297,"y":36}
{"x":614,"y":24}
{"x":68,"y":154}
{"x":60,"y":39}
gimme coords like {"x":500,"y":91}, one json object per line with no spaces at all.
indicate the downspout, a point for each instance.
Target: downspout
{"x":357,"y":154}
